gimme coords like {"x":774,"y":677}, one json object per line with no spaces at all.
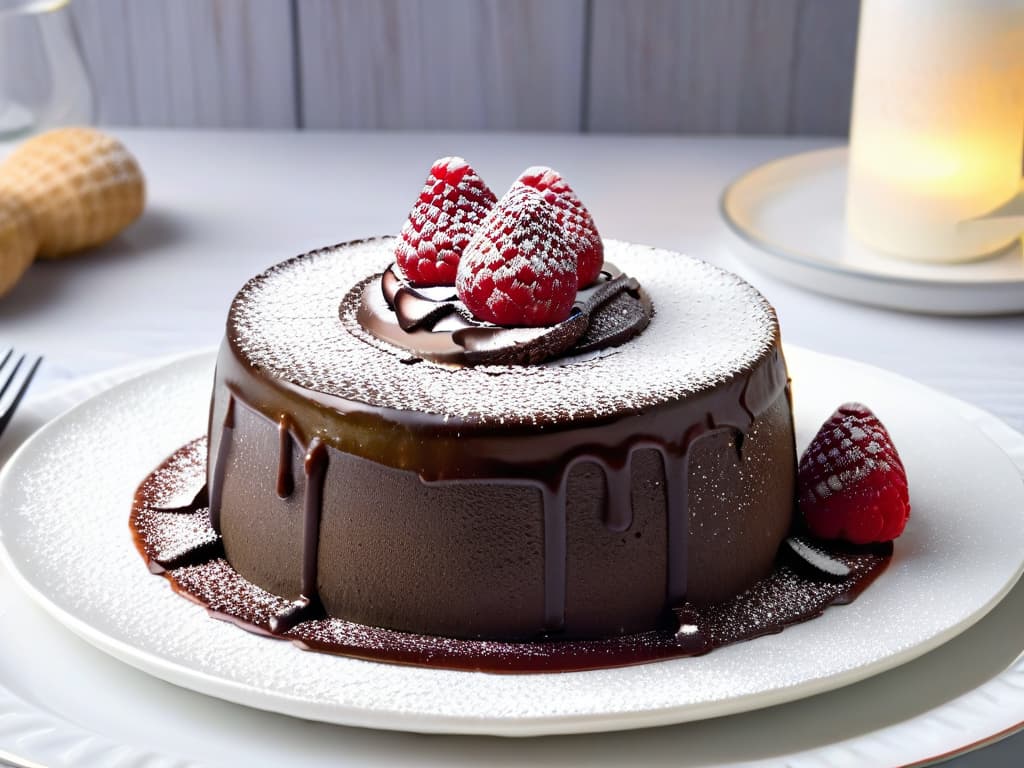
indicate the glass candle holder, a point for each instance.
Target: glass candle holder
{"x":43,"y":79}
{"x":937,"y":130}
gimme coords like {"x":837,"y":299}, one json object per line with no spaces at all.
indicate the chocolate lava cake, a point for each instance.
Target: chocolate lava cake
{"x":500,"y":442}
{"x":581,"y":497}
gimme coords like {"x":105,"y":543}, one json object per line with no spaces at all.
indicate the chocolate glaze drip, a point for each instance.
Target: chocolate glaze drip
{"x":495,"y":455}
{"x":315,"y":467}
{"x":285,"y":484}
{"x":795,"y":591}
{"x":618,"y":485}
{"x":553,"y":496}
{"x":677,"y":488}
{"x":432,"y":324}
{"x":552,"y":484}
{"x":220,"y":467}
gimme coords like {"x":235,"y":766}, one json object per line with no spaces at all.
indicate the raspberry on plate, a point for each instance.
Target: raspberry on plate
{"x":519,"y":269}
{"x":446,"y":215}
{"x":573,"y":216}
{"x":852,"y":483}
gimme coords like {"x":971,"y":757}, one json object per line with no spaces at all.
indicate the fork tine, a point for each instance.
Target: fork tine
{"x":11,"y":375}
{"x":8,"y":412}
{"x":6,"y":358}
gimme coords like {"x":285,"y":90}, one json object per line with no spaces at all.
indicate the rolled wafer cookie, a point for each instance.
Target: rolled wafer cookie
{"x":18,"y":241}
{"x":80,"y":186}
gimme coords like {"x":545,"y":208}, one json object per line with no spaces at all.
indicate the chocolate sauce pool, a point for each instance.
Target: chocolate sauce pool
{"x":170,"y":522}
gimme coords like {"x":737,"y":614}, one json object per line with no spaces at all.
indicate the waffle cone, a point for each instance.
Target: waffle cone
{"x":81,"y":186}
{"x":18,"y":242}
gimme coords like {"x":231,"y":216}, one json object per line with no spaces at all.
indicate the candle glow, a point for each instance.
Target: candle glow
{"x":937,"y":134}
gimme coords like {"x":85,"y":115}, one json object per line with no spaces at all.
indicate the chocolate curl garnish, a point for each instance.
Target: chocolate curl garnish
{"x":432,"y":324}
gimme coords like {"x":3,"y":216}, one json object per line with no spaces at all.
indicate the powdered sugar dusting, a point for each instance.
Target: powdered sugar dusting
{"x":175,"y":485}
{"x":220,"y":588}
{"x":708,"y":326}
{"x":168,"y":536}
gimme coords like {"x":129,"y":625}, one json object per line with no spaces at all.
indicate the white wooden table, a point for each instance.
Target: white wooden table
{"x":223,"y":206}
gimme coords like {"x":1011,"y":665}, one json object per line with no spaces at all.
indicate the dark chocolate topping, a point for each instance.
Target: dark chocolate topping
{"x":432,"y":324}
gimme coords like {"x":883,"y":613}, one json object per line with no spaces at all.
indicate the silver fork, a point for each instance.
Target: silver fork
{"x":19,"y":375}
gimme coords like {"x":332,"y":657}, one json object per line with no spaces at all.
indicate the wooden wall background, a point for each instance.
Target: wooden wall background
{"x":706,"y":66}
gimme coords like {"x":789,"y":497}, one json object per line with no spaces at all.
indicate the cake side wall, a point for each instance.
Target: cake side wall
{"x":453,"y":560}
{"x":468,"y":560}
{"x":742,"y":502}
{"x":587,"y":522}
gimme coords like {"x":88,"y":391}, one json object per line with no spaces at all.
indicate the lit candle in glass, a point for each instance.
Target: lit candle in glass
{"x":937,"y":134}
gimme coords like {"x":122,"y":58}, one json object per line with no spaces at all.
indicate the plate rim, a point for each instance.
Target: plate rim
{"x":834,"y":156}
{"x":251,"y":695}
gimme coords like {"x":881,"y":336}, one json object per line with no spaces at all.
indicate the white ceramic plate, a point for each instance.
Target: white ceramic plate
{"x":63,"y":703}
{"x":64,"y":500}
{"x":786,"y":218}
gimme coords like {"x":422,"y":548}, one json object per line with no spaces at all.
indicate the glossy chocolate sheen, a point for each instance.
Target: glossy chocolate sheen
{"x":368,"y":487}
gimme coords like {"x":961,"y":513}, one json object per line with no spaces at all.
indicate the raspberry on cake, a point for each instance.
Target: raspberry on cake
{"x":453,"y":202}
{"x":573,"y":216}
{"x":520,"y":267}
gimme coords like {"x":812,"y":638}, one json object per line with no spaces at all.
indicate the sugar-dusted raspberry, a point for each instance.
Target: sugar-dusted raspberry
{"x":453,"y":202}
{"x":573,"y":216}
{"x":519,"y":268}
{"x":852,"y":483}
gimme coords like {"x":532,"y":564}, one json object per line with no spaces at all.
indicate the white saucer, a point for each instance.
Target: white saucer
{"x":786,"y":219}
{"x":65,"y":496}
{"x":963,"y":694}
